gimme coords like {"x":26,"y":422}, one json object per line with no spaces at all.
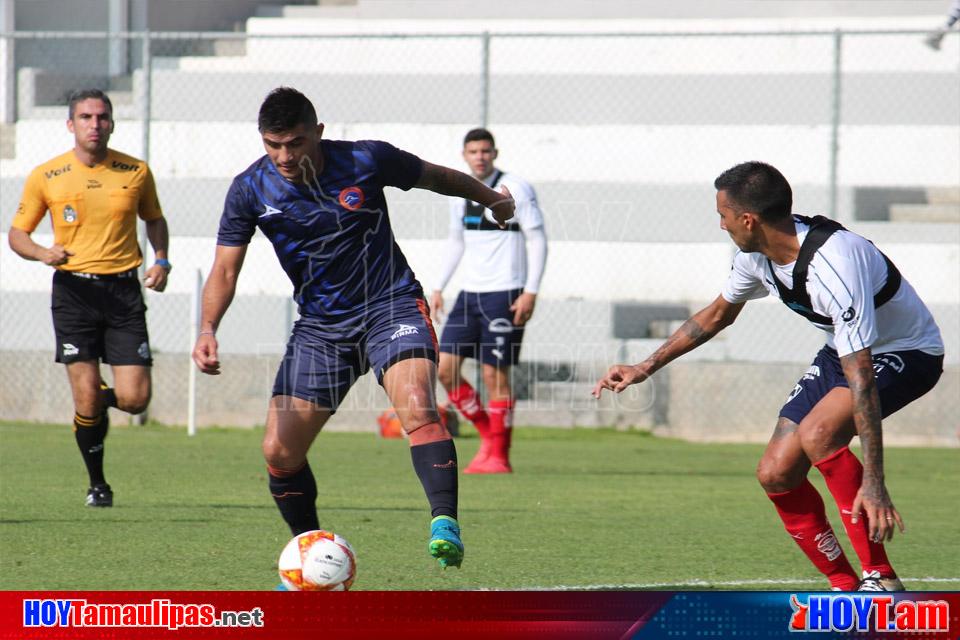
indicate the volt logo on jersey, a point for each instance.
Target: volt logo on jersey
{"x":351,"y":198}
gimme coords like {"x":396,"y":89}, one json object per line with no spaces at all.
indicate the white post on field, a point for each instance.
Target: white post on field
{"x":192,"y":379}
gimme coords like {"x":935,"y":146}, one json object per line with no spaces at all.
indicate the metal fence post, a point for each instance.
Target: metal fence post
{"x":145,"y":94}
{"x":835,"y":122}
{"x":145,"y":154}
{"x":485,"y":80}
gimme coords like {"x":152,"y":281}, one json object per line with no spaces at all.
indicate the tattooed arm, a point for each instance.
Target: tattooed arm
{"x":872,"y":498}
{"x":450,"y":182}
{"x":702,"y":326}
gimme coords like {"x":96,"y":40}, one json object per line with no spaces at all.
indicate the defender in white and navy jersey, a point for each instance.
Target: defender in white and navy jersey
{"x":883,"y":351}
{"x":321,"y":205}
{"x":500,"y":271}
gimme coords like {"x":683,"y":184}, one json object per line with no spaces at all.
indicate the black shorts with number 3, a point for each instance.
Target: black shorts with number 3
{"x":100,"y":319}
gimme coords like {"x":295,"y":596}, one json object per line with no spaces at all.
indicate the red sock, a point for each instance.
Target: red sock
{"x":805,"y":519}
{"x":501,"y":426}
{"x":465,"y":399}
{"x":844,"y":473}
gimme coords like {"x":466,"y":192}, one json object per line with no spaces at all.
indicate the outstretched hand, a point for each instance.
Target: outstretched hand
{"x":876,"y":505}
{"x":619,"y":377}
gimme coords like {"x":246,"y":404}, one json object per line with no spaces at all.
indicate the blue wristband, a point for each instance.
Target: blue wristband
{"x":163,"y":262}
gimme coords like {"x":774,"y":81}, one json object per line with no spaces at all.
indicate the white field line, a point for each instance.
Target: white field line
{"x":711,"y":583}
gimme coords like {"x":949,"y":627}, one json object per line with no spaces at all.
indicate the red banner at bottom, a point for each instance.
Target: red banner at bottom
{"x":467,"y":615}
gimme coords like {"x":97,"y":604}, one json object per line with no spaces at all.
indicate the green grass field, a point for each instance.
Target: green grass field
{"x":585,"y":509}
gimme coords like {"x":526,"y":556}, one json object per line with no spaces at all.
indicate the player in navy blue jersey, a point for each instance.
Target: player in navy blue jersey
{"x":321,"y":205}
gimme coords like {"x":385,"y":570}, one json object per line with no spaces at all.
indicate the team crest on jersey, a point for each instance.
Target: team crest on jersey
{"x":69,"y":214}
{"x":351,"y":198}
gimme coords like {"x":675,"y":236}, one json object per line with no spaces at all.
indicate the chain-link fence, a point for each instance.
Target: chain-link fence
{"x":621,"y":134}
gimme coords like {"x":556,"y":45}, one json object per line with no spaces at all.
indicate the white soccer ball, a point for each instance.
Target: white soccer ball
{"x":317,"y":561}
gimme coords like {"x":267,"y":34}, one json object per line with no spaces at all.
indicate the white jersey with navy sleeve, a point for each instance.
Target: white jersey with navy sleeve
{"x":496,"y":259}
{"x":842,"y":279}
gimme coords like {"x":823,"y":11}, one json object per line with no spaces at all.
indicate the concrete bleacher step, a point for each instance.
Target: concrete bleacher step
{"x":932,"y":212}
{"x":591,"y":9}
{"x":944,"y":195}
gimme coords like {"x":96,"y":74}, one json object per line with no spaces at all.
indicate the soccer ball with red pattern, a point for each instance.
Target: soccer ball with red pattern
{"x":318,"y":561}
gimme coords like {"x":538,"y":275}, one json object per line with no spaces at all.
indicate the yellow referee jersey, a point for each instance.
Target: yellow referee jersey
{"x":93,"y":209}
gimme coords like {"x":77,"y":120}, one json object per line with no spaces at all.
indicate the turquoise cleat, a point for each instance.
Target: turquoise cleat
{"x":445,"y":544}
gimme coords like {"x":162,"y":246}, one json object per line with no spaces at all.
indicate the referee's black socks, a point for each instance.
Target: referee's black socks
{"x":90,"y":434}
{"x":108,"y":395}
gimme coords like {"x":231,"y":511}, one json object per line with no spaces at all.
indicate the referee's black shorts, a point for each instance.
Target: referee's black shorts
{"x":100,"y":317}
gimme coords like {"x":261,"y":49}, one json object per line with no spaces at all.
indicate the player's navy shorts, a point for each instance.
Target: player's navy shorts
{"x":100,"y":317}
{"x":480,"y":326}
{"x":323,"y":360}
{"x":902,"y":377}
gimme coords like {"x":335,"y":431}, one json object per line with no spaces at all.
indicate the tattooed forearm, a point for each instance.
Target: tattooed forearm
{"x":689,"y":336}
{"x":858,"y":369}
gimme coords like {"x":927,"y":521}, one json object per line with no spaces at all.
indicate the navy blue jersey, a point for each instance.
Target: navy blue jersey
{"x":332,"y":235}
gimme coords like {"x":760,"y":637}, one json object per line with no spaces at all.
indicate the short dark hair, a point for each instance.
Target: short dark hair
{"x":479,"y":134}
{"x":757,"y":187}
{"x":283,"y":109}
{"x":86,"y":94}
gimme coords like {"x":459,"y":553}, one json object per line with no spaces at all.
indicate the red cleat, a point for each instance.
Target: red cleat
{"x":489,"y":465}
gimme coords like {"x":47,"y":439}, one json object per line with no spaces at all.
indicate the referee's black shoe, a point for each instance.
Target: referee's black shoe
{"x":100,"y":496}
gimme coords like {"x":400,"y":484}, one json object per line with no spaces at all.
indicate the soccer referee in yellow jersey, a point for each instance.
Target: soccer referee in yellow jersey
{"x":94,"y":195}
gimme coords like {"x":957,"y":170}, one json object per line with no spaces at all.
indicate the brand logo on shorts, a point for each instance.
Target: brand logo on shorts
{"x":498,"y":351}
{"x":797,"y":388}
{"x":891,"y":360}
{"x":69,"y":349}
{"x":404,"y":330}
{"x":351,"y":198}
{"x":69,"y":214}
{"x":500,"y":325}
{"x":812,"y":372}
{"x":144,"y":351}
{"x":849,"y":314}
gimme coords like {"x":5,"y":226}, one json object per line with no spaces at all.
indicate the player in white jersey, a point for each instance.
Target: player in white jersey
{"x":883,"y":351}
{"x":500,"y":273}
